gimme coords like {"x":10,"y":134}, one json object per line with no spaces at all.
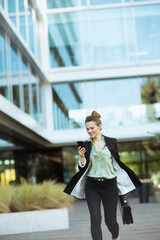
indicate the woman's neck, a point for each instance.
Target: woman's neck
{"x":98,"y":138}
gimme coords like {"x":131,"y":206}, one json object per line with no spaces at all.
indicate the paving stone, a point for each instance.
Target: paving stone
{"x":146,"y":225}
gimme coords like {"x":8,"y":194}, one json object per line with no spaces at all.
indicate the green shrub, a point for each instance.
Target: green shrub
{"x":52,"y":196}
{"x":6,"y":193}
{"x":28,"y":197}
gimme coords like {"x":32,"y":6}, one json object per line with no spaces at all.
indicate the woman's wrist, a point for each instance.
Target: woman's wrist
{"x":82,"y":159}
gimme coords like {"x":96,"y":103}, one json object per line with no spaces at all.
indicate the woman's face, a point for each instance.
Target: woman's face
{"x":92,"y":129}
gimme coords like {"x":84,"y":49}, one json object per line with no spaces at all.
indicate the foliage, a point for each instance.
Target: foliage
{"x":29,"y":197}
{"x":150,"y":90}
{"x":6,"y":193}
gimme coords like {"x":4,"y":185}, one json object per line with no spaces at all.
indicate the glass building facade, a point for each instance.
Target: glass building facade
{"x":93,"y":34}
{"x":137,"y":103}
{"x":80,"y":35}
{"x":19,"y":82}
{"x":24,"y":17}
{"x":108,"y":35}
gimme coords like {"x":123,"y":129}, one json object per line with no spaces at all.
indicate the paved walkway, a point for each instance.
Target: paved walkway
{"x":146,"y":225}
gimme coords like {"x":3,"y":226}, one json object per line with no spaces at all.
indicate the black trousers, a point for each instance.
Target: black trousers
{"x":107,"y":193}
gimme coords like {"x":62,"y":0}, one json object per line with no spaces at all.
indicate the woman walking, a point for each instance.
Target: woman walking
{"x":102,"y":177}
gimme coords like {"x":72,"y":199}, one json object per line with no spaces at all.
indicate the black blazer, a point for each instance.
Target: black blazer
{"x":111,"y":143}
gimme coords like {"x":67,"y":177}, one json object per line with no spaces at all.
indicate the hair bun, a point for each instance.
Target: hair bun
{"x":95,"y":114}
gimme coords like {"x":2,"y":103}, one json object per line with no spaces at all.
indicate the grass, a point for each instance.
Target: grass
{"x":6,"y":194}
{"x":29,"y":197}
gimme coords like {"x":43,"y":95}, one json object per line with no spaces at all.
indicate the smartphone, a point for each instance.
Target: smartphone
{"x":80,"y":144}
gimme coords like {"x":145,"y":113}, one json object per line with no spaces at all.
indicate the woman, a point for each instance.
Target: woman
{"x":102,"y":177}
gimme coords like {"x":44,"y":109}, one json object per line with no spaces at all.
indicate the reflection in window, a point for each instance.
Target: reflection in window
{"x":40,"y":115}
{"x":24,"y":64}
{"x":14,"y":58}
{"x":65,"y":98}
{"x":104,"y":36}
{"x":130,"y":35}
{"x":34,"y":99}
{"x":25,"y":82}
{"x":2,"y":3}
{"x":34,"y":95}
{"x":21,"y":5}
{"x":148,"y":31}
{"x":22,"y":26}
{"x":13,"y":19}
{"x":4,"y":91}
{"x":16,"y":99}
{"x":103,"y":2}
{"x":31,"y":32}
{"x":3,"y":63}
{"x":84,"y":3}
{"x":26,"y":98}
{"x":108,"y":40}
{"x":11,"y":6}
{"x":123,"y":108}
{"x":62,"y":3}
{"x":68,"y":39}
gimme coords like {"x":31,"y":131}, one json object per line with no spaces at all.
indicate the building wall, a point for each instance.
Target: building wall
{"x":69,"y":36}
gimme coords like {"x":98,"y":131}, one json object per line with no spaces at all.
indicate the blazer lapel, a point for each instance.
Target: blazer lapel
{"x":109,"y":145}
{"x":87,"y":145}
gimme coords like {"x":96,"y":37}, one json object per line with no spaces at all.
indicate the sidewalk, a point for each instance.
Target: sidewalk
{"x":146,"y":225}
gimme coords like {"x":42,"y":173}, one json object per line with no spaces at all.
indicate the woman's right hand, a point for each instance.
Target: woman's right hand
{"x":81,"y":152}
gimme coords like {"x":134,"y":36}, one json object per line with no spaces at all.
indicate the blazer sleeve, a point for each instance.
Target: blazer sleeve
{"x":81,"y":165}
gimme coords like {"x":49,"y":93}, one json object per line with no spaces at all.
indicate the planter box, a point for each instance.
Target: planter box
{"x":33,"y":221}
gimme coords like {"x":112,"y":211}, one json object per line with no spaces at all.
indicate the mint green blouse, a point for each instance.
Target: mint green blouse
{"x":101,"y":163}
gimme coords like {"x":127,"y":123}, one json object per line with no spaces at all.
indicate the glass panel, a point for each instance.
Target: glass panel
{"x":21,"y":5}
{"x":22,"y":26}
{"x":13,"y":19}
{"x":143,"y":0}
{"x":148,"y":32}
{"x":26,"y":98}
{"x":25,"y":82}
{"x":84,"y":3}
{"x":68,"y":39}
{"x":31,"y":33}
{"x":34,"y":95}
{"x":24,"y":64}
{"x":14,"y":58}
{"x":2,"y":3}
{"x":16,"y":96}
{"x":3,"y":63}
{"x":130,"y":34}
{"x":34,"y":100}
{"x":107,"y":36}
{"x":40,"y":119}
{"x":3,"y":91}
{"x":62,"y":3}
{"x":103,"y":2}
{"x":64,"y":99}
{"x":11,"y":6}
{"x":15,"y":74}
{"x":123,"y":108}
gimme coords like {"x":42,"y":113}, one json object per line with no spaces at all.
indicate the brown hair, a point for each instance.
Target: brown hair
{"x":95,"y":117}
